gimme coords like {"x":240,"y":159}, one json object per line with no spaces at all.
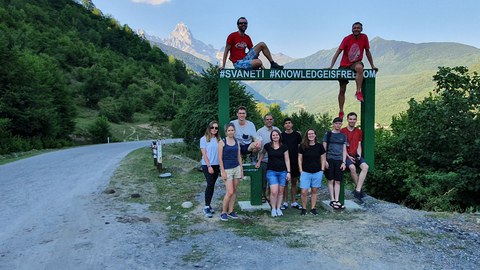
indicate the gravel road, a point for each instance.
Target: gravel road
{"x":54,"y":215}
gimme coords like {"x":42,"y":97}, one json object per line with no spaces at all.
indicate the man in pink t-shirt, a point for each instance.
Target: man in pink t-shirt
{"x":353,"y":47}
{"x":238,"y":42}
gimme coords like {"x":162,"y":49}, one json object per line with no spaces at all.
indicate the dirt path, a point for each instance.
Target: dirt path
{"x":54,"y":215}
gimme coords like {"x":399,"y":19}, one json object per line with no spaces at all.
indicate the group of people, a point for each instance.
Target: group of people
{"x":285,"y":158}
{"x":353,"y":47}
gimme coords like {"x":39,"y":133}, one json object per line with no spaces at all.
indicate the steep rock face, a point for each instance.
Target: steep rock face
{"x":182,"y":38}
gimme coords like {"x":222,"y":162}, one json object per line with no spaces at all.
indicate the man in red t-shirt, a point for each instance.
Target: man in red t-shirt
{"x":353,"y":47}
{"x":237,"y":42}
{"x":354,"y":155}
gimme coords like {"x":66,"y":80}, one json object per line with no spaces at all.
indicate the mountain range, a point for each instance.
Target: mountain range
{"x":405,"y":72}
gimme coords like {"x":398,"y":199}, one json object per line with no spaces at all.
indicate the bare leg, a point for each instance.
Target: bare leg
{"x":353,"y":174}
{"x":228,"y":195}
{"x":341,"y":96}
{"x":304,"y":198}
{"x":337,"y":190}
{"x":262,"y":47}
{"x":331,"y":190}
{"x":314,"y":197}
{"x":274,"y":196}
{"x":362,"y":176}
{"x":280,"y":196}
{"x":233,"y":197}
{"x":359,"y":76}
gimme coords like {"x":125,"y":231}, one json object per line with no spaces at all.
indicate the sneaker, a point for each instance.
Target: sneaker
{"x":233,"y":215}
{"x":359,"y":96}
{"x":224,"y":217}
{"x":207,"y":212}
{"x":284,"y":206}
{"x":211,"y":209}
{"x":358,"y":196}
{"x":314,"y":211}
{"x":362,"y":194}
{"x":295,"y":205}
{"x":274,"y":212}
{"x":274,"y":65}
{"x":279,"y":213}
{"x":304,"y":212}
{"x":341,"y":114}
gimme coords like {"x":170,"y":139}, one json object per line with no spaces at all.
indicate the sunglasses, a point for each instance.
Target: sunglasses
{"x":242,"y":23}
{"x":213,"y":127}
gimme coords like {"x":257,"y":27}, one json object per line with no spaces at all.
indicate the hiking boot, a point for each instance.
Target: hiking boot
{"x":279,"y":213}
{"x":314,"y":211}
{"x":224,"y":217}
{"x":284,"y":206}
{"x":232,"y":215}
{"x":304,"y":212}
{"x":207,"y":212}
{"x":274,"y":65}
{"x":341,"y":114}
{"x":359,"y":96}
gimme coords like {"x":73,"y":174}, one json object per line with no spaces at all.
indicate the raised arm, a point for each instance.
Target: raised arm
{"x":335,"y":56}
{"x":370,"y":59}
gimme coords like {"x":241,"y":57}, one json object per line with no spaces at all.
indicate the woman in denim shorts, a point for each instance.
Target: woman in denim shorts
{"x":311,"y":163}
{"x":278,"y":170}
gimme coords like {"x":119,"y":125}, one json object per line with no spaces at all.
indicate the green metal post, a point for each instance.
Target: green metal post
{"x":255,"y":183}
{"x":368,"y":123}
{"x":223,"y":103}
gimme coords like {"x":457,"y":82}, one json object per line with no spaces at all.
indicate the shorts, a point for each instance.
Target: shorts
{"x":246,"y":62}
{"x":352,"y":67}
{"x":244,"y":149}
{"x":334,"y":172}
{"x":277,"y":178}
{"x":233,"y":173}
{"x":357,"y":164}
{"x":311,"y":180}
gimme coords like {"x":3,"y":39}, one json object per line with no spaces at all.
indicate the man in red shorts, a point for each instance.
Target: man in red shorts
{"x":354,"y":155}
{"x":237,"y":42}
{"x":353,"y":47}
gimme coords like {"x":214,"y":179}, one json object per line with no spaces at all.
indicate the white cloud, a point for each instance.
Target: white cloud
{"x":152,"y":2}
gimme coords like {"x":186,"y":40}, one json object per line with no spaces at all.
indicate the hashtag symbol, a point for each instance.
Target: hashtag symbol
{"x":222,"y":73}
{"x":272,"y":73}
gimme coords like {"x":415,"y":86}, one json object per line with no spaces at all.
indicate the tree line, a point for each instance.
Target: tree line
{"x":57,"y":56}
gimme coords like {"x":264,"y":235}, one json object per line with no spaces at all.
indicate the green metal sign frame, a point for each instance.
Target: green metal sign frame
{"x":368,"y":89}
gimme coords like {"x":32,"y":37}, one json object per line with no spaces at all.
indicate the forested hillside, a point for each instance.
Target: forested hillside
{"x":56,"y":56}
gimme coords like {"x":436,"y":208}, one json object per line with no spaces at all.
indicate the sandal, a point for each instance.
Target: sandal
{"x":332,"y":204}
{"x":338,"y":205}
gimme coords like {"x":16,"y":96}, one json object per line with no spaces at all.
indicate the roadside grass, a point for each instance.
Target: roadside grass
{"x":137,"y":174}
{"x":139,"y":129}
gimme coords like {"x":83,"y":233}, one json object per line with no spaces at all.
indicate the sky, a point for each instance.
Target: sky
{"x":300,"y":28}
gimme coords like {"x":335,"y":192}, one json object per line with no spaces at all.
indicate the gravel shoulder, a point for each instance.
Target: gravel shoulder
{"x":55,"y":215}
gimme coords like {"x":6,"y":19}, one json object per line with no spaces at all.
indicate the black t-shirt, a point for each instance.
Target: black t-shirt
{"x":311,"y":162}
{"x":292,"y":140}
{"x":276,"y":158}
